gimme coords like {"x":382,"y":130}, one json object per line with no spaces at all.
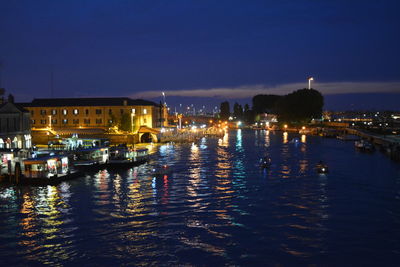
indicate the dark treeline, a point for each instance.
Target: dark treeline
{"x":299,"y":106}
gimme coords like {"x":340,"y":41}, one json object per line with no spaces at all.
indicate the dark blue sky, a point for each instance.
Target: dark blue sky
{"x":131,"y":48}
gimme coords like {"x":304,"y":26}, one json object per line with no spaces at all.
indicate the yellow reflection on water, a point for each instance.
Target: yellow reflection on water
{"x":303,"y":138}
{"x":285,"y":137}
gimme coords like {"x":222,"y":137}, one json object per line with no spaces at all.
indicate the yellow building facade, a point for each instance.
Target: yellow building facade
{"x":103,"y":113}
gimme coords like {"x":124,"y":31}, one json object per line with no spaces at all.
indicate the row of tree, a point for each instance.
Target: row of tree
{"x":298,"y":106}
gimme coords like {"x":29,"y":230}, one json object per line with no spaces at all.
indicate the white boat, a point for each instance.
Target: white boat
{"x":364,"y":145}
{"x":91,"y":157}
{"x":122,"y":155}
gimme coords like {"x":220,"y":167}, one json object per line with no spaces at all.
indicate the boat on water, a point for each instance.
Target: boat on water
{"x":91,"y":158}
{"x":322,"y":168}
{"x":348,"y":137}
{"x":47,"y":170}
{"x":123,"y":156}
{"x":364,"y":145}
{"x":265,"y":162}
{"x":161,"y":171}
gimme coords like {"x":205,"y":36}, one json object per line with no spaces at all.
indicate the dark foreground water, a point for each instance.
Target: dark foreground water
{"x":217,"y":208}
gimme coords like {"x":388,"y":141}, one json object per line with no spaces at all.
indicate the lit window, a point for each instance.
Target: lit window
{"x":76,"y":111}
{"x":65,"y":121}
{"x":65,"y":112}
{"x":145,"y":111}
{"x":133,"y":111}
{"x":53,"y":112}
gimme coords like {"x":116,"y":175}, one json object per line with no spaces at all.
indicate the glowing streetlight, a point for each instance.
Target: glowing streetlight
{"x":164,"y":97}
{"x":309,"y":81}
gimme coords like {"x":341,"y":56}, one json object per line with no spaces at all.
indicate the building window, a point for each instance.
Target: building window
{"x":76,"y":111}
{"x":65,"y":112}
{"x":110,"y":121}
{"x":110,"y":111}
{"x":133,"y":111}
{"x":145,"y":111}
{"x":32,"y":112}
{"x":98,"y":111}
{"x":42,"y":112}
{"x":145,"y":120}
{"x":42,"y":121}
{"x":86,"y":111}
{"x":65,"y":121}
{"x":54,"y":121}
{"x":122,"y":111}
{"x":33,"y":121}
{"x":86,"y":121}
{"x":98,"y":121}
{"x":54,"y":112}
{"x":75,"y":121}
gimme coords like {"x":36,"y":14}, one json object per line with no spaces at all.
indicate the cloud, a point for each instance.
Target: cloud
{"x":246,"y":91}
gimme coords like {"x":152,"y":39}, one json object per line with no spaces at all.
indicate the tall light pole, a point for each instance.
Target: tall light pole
{"x":309,"y":82}
{"x":164,"y":97}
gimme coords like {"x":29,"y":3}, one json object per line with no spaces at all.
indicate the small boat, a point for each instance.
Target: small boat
{"x":322,"y":168}
{"x":348,"y":137}
{"x":91,"y":158}
{"x":265,"y":162}
{"x":364,"y":145}
{"x":295,"y":141}
{"x":47,"y":170}
{"x":161,"y":171}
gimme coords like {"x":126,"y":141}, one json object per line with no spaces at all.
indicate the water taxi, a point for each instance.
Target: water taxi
{"x":124,"y":156}
{"x":47,"y":170}
{"x":90,"y":158}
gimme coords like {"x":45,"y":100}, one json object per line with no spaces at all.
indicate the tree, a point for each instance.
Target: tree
{"x":301,"y":105}
{"x":238,"y":111}
{"x":225,"y":111}
{"x":248,"y":114}
{"x":125,"y":122}
{"x":113,"y":121}
{"x":265,"y":103}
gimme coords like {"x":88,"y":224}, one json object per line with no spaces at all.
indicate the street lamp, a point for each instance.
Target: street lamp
{"x":164,"y":97}
{"x":309,"y":82}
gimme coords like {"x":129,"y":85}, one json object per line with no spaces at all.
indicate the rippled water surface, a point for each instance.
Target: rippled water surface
{"x":216,"y":208}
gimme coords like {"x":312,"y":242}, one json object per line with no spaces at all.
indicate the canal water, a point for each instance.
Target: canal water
{"x":217,"y":207}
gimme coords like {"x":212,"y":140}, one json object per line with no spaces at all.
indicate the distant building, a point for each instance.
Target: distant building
{"x":100,"y":113}
{"x":15,"y":130}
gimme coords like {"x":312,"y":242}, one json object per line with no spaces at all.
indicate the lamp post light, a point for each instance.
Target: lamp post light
{"x":164,"y":98}
{"x":309,"y":82}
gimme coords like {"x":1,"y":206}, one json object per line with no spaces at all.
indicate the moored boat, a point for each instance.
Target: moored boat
{"x":364,"y":145}
{"x":123,"y":156}
{"x":91,"y":158}
{"x":47,"y":170}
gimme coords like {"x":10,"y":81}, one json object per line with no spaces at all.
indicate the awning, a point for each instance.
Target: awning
{"x":79,"y":131}
{"x":145,"y":129}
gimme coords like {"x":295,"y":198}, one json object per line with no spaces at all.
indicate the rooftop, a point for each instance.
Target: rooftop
{"x":96,"y":101}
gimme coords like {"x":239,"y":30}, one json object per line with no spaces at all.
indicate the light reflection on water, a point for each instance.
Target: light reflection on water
{"x":217,"y":207}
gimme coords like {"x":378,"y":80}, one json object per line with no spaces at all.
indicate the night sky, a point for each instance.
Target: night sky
{"x":203,"y":51}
